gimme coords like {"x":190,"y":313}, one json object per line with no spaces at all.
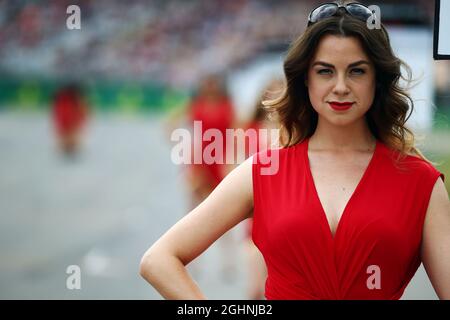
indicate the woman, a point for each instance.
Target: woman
{"x":354,"y":207}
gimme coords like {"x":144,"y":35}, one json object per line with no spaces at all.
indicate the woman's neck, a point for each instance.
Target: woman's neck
{"x":354,"y":137}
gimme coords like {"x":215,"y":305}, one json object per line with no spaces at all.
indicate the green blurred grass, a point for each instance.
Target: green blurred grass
{"x":441,"y":123}
{"x":443,"y":165}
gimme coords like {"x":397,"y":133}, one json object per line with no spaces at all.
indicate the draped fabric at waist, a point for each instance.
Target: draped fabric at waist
{"x":280,"y":289}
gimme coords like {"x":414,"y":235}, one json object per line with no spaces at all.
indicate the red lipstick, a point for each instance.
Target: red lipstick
{"x":340,"y":106}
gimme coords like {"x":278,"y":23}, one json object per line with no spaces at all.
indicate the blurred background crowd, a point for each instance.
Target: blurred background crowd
{"x":108,"y":95}
{"x":173,"y":41}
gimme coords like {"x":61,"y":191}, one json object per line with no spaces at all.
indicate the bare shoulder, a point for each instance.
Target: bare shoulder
{"x":238,"y":184}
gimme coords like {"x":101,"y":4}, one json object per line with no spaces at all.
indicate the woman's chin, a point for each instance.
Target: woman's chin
{"x":341,"y":120}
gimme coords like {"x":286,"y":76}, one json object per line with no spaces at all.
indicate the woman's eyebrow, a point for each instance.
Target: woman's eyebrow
{"x":357,"y":63}
{"x":329,"y":65}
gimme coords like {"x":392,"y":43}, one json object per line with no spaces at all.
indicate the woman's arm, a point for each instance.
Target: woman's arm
{"x":163,"y":265}
{"x":436,"y":241}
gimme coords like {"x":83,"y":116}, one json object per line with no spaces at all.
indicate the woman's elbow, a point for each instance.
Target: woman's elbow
{"x":147,"y":266}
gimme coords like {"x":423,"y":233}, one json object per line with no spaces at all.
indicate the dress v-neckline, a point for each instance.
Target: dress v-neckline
{"x":316,"y":194}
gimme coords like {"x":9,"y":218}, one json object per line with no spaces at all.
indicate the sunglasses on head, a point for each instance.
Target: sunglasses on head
{"x":327,"y":10}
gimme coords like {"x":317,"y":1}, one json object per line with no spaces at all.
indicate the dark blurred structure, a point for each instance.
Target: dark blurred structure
{"x":405,"y":13}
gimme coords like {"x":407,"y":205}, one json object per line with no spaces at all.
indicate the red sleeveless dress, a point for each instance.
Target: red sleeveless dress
{"x":379,"y":234}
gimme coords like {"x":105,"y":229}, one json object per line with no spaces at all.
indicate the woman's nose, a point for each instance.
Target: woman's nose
{"x":341,"y":86}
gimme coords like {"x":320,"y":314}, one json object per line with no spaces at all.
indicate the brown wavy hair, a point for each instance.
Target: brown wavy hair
{"x":391,"y":107}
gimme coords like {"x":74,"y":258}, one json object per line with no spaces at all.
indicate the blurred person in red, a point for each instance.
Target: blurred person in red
{"x":70,"y":113}
{"x":257,"y":272}
{"x":210,"y":108}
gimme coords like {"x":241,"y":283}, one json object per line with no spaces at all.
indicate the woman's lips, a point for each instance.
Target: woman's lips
{"x":341,"y":106}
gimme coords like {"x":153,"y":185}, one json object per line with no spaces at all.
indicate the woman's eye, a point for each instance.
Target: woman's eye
{"x":358,"y":71}
{"x":324,"y":71}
